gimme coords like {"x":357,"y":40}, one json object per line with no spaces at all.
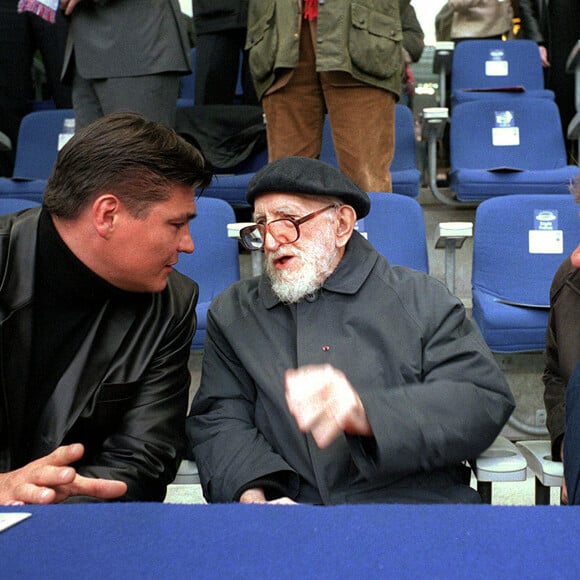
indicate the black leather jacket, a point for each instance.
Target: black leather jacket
{"x":124,"y":394}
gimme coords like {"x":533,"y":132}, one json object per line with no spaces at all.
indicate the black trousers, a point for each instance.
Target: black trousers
{"x":217,"y":67}
{"x":21,"y":35}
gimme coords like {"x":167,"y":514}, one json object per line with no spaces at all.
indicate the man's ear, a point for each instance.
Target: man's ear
{"x":105,"y":214}
{"x":345,"y":224}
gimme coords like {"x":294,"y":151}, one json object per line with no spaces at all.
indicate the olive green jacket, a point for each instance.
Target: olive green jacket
{"x":360,"y":37}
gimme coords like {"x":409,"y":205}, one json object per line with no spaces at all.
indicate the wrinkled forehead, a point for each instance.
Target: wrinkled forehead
{"x":279,"y":203}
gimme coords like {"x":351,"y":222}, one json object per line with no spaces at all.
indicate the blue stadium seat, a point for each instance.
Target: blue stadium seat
{"x":519,"y":242}
{"x":35,"y":153}
{"x":396,"y":228}
{"x":504,"y":147}
{"x":13,"y":205}
{"x":513,"y":67}
{"x":214,"y":264}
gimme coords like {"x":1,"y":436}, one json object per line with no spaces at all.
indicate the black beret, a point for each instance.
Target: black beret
{"x":307,"y":176}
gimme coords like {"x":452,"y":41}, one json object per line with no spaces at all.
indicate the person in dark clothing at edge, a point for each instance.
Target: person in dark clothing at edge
{"x":95,"y":324}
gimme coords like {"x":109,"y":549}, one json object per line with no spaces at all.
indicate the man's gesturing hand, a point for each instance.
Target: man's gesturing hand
{"x":324,"y":403}
{"x":50,"y":479}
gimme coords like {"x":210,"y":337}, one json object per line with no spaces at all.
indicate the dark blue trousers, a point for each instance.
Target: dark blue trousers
{"x":572,"y":438}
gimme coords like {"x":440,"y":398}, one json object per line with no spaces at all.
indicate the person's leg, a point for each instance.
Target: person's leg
{"x":154,"y":96}
{"x":362,"y":119}
{"x":572,"y":438}
{"x":217,"y":62}
{"x":51,"y":41}
{"x":86,"y":103}
{"x":295,"y":109}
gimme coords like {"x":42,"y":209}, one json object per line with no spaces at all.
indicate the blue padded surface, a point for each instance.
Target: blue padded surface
{"x":524,"y":68}
{"x":38,"y":143}
{"x":504,"y":269}
{"x":214,"y":264}
{"x":13,"y":205}
{"x":396,"y":228}
{"x":536,"y":163}
{"x":32,"y":189}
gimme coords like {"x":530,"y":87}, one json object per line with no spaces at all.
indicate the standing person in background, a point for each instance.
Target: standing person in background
{"x":341,"y":58}
{"x":21,"y":36}
{"x":560,"y":27}
{"x":493,"y":19}
{"x":220,"y":29}
{"x":413,"y":45}
{"x":126,"y":55}
{"x":562,"y":356}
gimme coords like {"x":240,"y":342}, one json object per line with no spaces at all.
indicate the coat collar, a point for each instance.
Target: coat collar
{"x":348,"y":277}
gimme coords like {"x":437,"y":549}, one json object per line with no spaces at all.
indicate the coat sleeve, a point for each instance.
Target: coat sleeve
{"x":554,"y":382}
{"x":229,"y":450}
{"x":146,"y":447}
{"x":453,"y":413}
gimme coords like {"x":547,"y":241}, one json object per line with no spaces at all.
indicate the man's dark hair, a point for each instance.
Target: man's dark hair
{"x":125,"y":154}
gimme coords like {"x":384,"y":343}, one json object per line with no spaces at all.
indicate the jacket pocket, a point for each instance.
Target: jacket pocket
{"x":262,"y":44}
{"x":374,"y":42}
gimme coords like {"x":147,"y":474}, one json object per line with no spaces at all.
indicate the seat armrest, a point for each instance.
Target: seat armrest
{"x":502,"y":461}
{"x":539,"y":457}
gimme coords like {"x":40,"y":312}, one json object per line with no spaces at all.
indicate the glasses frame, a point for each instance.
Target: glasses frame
{"x":264,"y":227}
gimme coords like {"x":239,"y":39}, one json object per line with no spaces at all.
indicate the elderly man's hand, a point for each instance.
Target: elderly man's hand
{"x":50,"y":479}
{"x":257,"y":495}
{"x":324,"y":403}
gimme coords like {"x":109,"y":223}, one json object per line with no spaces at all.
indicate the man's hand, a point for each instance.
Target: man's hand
{"x":257,"y":495}
{"x":50,"y":479}
{"x":564,"y":488}
{"x":67,"y":6}
{"x":324,"y":403}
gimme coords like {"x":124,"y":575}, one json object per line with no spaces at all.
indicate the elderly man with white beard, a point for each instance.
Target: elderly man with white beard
{"x":335,"y":377}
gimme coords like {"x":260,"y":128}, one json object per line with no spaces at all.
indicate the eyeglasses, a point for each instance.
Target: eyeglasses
{"x":283,"y":230}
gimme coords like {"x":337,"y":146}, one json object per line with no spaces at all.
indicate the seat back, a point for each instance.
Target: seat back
{"x":13,"y":205}
{"x":214,"y":264}
{"x":522,"y":134}
{"x":38,"y":143}
{"x":518,"y":244}
{"x":396,"y":228}
{"x":516,"y":247}
{"x":496,"y":64}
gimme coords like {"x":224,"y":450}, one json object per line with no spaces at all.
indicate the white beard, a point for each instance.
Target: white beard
{"x":318,"y":262}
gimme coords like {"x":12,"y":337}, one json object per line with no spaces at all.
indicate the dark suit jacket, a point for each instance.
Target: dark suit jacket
{"x":125,"y":393}
{"x":126,"y":38}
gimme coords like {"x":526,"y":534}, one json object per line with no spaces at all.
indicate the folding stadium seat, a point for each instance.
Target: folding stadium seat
{"x":404,"y":173}
{"x":518,"y":244}
{"x":507,"y":146}
{"x":214,"y":264}
{"x":36,"y":153}
{"x":396,"y":228}
{"x":488,"y":69}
